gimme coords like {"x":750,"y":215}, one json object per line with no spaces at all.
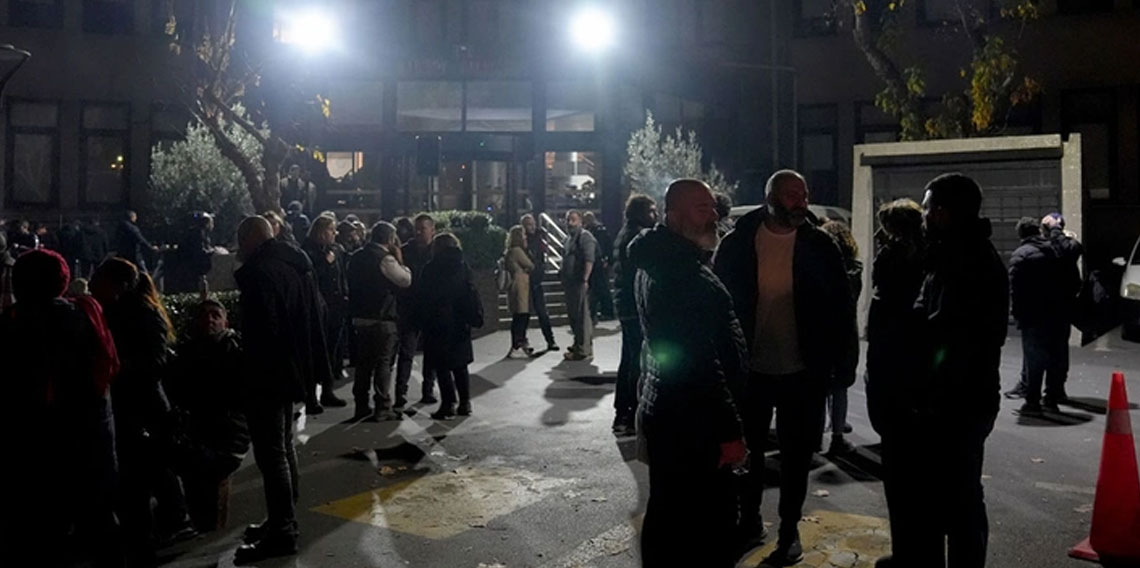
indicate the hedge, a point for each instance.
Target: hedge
{"x":482,"y":239}
{"x":181,"y":309}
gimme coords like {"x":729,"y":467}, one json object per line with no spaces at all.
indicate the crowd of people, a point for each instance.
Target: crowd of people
{"x":724,"y":327}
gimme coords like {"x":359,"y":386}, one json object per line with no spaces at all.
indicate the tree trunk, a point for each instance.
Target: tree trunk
{"x":253,"y":179}
{"x":267,"y":195}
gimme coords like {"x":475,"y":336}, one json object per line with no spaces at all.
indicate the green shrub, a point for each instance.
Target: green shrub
{"x":181,"y":309}
{"x":455,"y":219}
{"x":482,"y":246}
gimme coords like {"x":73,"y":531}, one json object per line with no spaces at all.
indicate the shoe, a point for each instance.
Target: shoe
{"x":331,"y":400}
{"x":517,"y":353}
{"x":1015,"y":393}
{"x":840,"y":446}
{"x":847,"y":429}
{"x":552,"y":346}
{"x":623,"y":426}
{"x":444,"y":413}
{"x":254,"y":532}
{"x":266,"y":548}
{"x":313,"y":408}
{"x":529,"y":350}
{"x":386,"y":416}
{"x":576,"y":356}
{"x":464,"y":409}
{"x":428,"y":399}
{"x":400,"y":403}
{"x":362,"y":411}
{"x":788,"y":552}
{"x":183,"y":534}
{"x":1031,"y":409}
{"x":1050,"y":406}
{"x":752,"y":537}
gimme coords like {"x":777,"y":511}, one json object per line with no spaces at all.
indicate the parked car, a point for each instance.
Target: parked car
{"x":1130,"y":294}
{"x":820,"y":211}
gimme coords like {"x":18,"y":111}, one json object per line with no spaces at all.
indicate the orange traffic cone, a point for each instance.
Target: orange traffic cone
{"x":1115,"y":530}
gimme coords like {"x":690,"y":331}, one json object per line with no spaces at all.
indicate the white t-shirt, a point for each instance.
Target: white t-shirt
{"x":775,"y":347}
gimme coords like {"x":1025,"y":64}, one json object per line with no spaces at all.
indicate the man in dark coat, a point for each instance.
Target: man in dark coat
{"x":130,"y":242}
{"x":71,"y":244}
{"x":640,"y":215}
{"x":601,"y":297}
{"x":789,"y":286}
{"x":285,"y":352}
{"x":964,"y":307}
{"x":417,"y":254}
{"x":687,"y":418}
{"x":94,"y":247}
{"x":328,"y":260}
{"x":536,"y":246}
{"x":376,"y":273}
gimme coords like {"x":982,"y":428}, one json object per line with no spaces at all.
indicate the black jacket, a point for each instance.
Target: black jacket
{"x":964,"y":308}
{"x":281,"y":323}
{"x":203,"y":387}
{"x":625,"y":274}
{"x":416,"y":258}
{"x":370,"y":294}
{"x":137,"y":394}
{"x":893,"y":330}
{"x":536,"y":247}
{"x":825,"y":312}
{"x":194,"y":258}
{"x":331,"y":279}
{"x":695,"y":354}
{"x":94,"y":244}
{"x":130,"y":242}
{"x":1044,"y":280}
{"x":448,"y":309}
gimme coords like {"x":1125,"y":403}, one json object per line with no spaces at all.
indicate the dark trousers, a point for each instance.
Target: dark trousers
{"x":601,"y":297}
{"x":581,"y":323}
{"x":538,"y":308}
{"x":629,"y":371}
{"x":409,"y":343}
{"x":271,"y":431}
{"x":916,"y":535}
{"x":452,"y":382}
{"x":837,"y":409}
{"x":685,"y":526}
{"x":1045,"y":351}
{"x":376,"y":354}
{"x":798,"y":401}
{"x":519,"y":323}
{"x":335,"y":335}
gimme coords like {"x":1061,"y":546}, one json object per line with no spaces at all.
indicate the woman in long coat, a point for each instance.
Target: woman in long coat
{"x":519,"y":264}
{"x":450,"y":307}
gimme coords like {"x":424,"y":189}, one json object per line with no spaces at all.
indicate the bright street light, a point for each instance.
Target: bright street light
{"x":312,"y":30}
{"x":593,"y":29}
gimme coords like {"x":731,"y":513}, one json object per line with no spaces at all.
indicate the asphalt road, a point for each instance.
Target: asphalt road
{"x":535,"y":479}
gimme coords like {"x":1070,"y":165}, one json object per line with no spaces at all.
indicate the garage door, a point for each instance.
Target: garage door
{"x":1011,"y":190}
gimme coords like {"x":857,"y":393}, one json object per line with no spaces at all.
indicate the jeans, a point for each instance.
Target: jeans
{"x":601,"y":297}
{"x":451,"y":382}
{"x":957,"y":470}
{"x":837,"y":404}
{"x":798,"y":400}
{"x":578,"y":310}
{"x":538,"y":308}
{"x":691,"y":511}
{"x":1045,"y":352}
{"x":629,"y":371}
{"x":376,"y":354}
{"x":409,"y":343}
{"x":271,"y":431}
{"x":519,"y":324}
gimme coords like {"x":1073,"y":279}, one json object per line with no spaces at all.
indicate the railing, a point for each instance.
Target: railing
{"x":554,"y":237}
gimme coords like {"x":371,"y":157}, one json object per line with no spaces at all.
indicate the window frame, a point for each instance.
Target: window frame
{"x":831,"y":130}
{"x":10,"y":150}
{"x":124,"y":135}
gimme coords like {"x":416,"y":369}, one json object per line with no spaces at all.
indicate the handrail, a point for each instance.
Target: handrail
{"x":554,"y":239}
{"x":552,"y":227}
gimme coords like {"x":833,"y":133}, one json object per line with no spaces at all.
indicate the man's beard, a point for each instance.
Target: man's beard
{"x":706,"y":238}
{"x":790,"y":217}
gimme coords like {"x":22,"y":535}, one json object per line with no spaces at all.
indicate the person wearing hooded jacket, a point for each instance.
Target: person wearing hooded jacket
{"x":688,"y":425}
{"x":285,"y":352}
{"x":788,"y":284}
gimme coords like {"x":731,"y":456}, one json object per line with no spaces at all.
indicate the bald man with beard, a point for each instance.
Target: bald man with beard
{"x":694,"y":354}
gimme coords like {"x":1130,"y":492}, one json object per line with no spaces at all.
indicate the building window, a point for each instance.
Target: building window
{"x":815,"y":17}
{"x":104,"y":155}
{"x":35,"y":13}
{"x":572,"y":182}
{"x":168,"y":125}
{"x":1092,"y":114}
{"x":356,"y":104}
{"x":873,"y":126}
{"x":570,"y":106}
{"x":108,"y":16}
{"x":498,"y":106}
{"x":32,"y":157}
{"x":1084,"y":6}
{"x":818,"y":151}
{"x":429,"y":106}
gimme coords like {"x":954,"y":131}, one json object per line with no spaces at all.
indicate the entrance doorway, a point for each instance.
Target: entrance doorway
{"x":492,"y":184}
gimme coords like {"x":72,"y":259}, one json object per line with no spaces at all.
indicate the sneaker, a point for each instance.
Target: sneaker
{"x":269,"y":547}
{"x":517,"y":353}
{"x":1050,"y":406}
{"x":788,"y":553}
{"x":840,"y":446}
{"x":444,"y":413}
{"x":1015,"y":392}
{"x":428,"y":399}
{"x":464,"y":409}
{"x":400,"y":403}
{"x":386,"y":416}
{"x":552,"y":346}
{"x":331,"y":400}
{"x":576,"y":356}
{"x":1031,"y":409}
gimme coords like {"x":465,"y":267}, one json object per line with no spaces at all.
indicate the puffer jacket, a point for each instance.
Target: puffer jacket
{"x":694,"y":355}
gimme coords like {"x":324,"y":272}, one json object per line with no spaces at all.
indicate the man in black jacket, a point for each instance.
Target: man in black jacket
{"x":964,"y":307}
{"x":789,"y":286}
{"x":695,"y":357}
{"x":601,"y":297}
{"x":416,"y":253}
{"x":131,"y":244}
{"x":536,"y":246}
{"x":640,"y":215}
{"x":376,"y":273}
{"x":285,"y":352}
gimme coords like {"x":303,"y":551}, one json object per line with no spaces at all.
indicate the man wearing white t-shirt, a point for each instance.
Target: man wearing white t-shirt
{"x":789,"y":287}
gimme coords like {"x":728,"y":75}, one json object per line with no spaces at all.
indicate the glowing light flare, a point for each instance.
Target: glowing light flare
{"x":593,"y":30}
{"x":311,"y":30}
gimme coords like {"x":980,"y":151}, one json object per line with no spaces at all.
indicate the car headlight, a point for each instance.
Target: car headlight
{"x":1132,"y":291}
